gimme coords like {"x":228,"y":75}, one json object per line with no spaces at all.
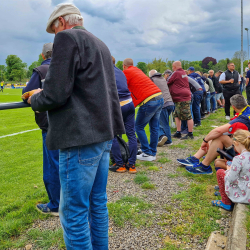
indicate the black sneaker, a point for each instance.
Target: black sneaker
{"x":203,"y":117}
{"x":162,"y":140}
{"x":114,"y":167}
{"x":188,"y":136}
{"x":177,"y":135}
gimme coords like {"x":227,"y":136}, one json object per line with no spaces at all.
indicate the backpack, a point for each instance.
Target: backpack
{"x":124,"y":150}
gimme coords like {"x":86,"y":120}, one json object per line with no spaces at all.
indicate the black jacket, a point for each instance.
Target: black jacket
{"x":80,"y":92}
{"x":217,"y":85}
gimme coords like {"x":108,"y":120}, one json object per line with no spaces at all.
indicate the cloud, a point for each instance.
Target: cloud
{"x":141,"y":29}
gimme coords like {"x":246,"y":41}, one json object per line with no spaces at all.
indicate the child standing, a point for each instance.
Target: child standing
{"x":234,"y":183}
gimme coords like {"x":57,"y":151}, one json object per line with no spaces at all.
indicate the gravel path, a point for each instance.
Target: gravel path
{"x":120,"y":185}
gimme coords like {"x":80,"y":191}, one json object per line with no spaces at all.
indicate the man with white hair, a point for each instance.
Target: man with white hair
{"x":84,"y":113}
{"x":167,"y":109}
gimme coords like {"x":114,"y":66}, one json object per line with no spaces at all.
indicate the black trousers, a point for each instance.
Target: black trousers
{"x":248,"y":94}
{"x":203,"y":104}
{"x":227,"y":95}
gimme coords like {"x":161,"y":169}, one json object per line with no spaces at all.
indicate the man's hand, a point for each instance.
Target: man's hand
{"x":205,"y":146}
{"x":231,"y":81}
{"x":36,"y":92}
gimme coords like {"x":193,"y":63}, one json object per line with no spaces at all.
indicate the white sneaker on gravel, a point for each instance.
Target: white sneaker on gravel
{"x":145,"y":157}
{"x":227,"y":117}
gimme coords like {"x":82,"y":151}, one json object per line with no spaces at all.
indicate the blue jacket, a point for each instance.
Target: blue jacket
{"x":198,"y":78}
{"x":35,"y":81}
{"x":122,"y":86}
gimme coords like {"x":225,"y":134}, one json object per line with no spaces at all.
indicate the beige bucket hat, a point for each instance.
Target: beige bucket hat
{"x":61,"y":10}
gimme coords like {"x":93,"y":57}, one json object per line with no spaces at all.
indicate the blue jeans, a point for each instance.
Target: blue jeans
{"x":149,"y":113}
{"x":212,"y":97}
{"x":197,"y":98}
{"x":128,"y":114}
{"x":51,"y":175}
{"x":164,"y":122}
{"x":83,"y":206}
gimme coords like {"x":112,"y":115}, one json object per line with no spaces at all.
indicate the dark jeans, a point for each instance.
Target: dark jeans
{"x":128,"y":114}
{"x":227,"y":95}
{"x":203,"y":104}
{"x":51,"y":175}
{"x":197,"y":98}
{"x":164,"y":122}
{"x":149,"y":113}
{"x":248,"y":94}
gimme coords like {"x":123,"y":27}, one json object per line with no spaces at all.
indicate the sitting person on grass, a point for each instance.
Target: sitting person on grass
{"x":217,"y":139}
{"x":234,"y":183}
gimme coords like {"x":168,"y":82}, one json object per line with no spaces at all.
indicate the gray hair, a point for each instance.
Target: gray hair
{"x":152,"y":72}
{"x":238,"y":101}
{"x":211,"y":71}
{"x":70,"y":19}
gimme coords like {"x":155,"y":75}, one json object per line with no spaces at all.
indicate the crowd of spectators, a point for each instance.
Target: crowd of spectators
{"x":83,"y":103}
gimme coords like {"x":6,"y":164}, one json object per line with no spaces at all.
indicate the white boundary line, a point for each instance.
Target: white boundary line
{"x":19,"y":133}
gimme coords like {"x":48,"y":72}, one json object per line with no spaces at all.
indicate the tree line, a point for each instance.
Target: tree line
{"x":16,"y":70}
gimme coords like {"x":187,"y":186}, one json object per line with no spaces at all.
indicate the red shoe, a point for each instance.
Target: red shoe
{"x":122,"y":169}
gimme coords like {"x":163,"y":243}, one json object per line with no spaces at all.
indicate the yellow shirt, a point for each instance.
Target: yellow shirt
{"x":1,"y":84}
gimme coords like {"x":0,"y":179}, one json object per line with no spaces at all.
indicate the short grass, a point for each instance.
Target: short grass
{"x":21,"y":185}
{"x":131,"y":209}
{"x":153,"y":168}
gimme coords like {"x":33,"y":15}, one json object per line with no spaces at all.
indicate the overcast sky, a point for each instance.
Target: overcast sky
{"x":140,"y":29}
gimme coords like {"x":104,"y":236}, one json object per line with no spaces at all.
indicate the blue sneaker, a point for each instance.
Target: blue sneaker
{"x":43,"y":208}
{"x":190,"y":161}
{"x":199,"y":169}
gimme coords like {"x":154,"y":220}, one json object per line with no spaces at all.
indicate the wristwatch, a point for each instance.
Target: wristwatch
{"x":205,"y":140}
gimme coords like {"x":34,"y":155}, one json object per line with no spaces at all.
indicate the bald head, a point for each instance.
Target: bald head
{"x":127,"y":63}
{"x":176,"y":65}
{"x":152,"y":72}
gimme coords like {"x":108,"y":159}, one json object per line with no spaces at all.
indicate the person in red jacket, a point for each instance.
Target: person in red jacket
{"x":148,"y":97}
{"x":181,"y":95}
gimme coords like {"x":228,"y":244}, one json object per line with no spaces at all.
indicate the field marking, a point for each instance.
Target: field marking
{"x":19,"y":133}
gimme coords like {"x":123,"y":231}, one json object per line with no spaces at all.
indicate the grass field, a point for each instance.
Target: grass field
{"x":21,"y":185}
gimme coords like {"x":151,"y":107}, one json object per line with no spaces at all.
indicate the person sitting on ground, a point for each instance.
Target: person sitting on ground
{"x":167,"y":109}
{"x":148,"y":97}
{"x":128,"y":114}
{"x":216,"y":139}
{"x":234,"y":183}
{"x":181,"y":95}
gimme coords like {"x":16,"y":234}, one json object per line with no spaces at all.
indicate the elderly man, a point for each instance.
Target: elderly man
{"x":217,"y":87}
{"x":84,"y":113}
{"x":167,"y":109}
{"x":50,"y":157}
{"x":181,"y":95}
{"x":167,"y":73}
{"x":230,"y":81}
{"x":216,"y":139}
{"x":148,"y":97}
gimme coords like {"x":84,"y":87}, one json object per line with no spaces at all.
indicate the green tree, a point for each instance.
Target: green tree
{"x":31,"y":67}
{"x":119,"y":65}
{"x":40,"y":60}
{"x":15,"y":64}
{"x":237,"y":59}
{"x":2,"y":73}
{"x":142,"y":66}
{"x":159,"y":65}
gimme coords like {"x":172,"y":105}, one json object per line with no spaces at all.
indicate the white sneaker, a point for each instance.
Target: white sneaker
{"x":227,"y":117}
{"x":145,"y":157}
